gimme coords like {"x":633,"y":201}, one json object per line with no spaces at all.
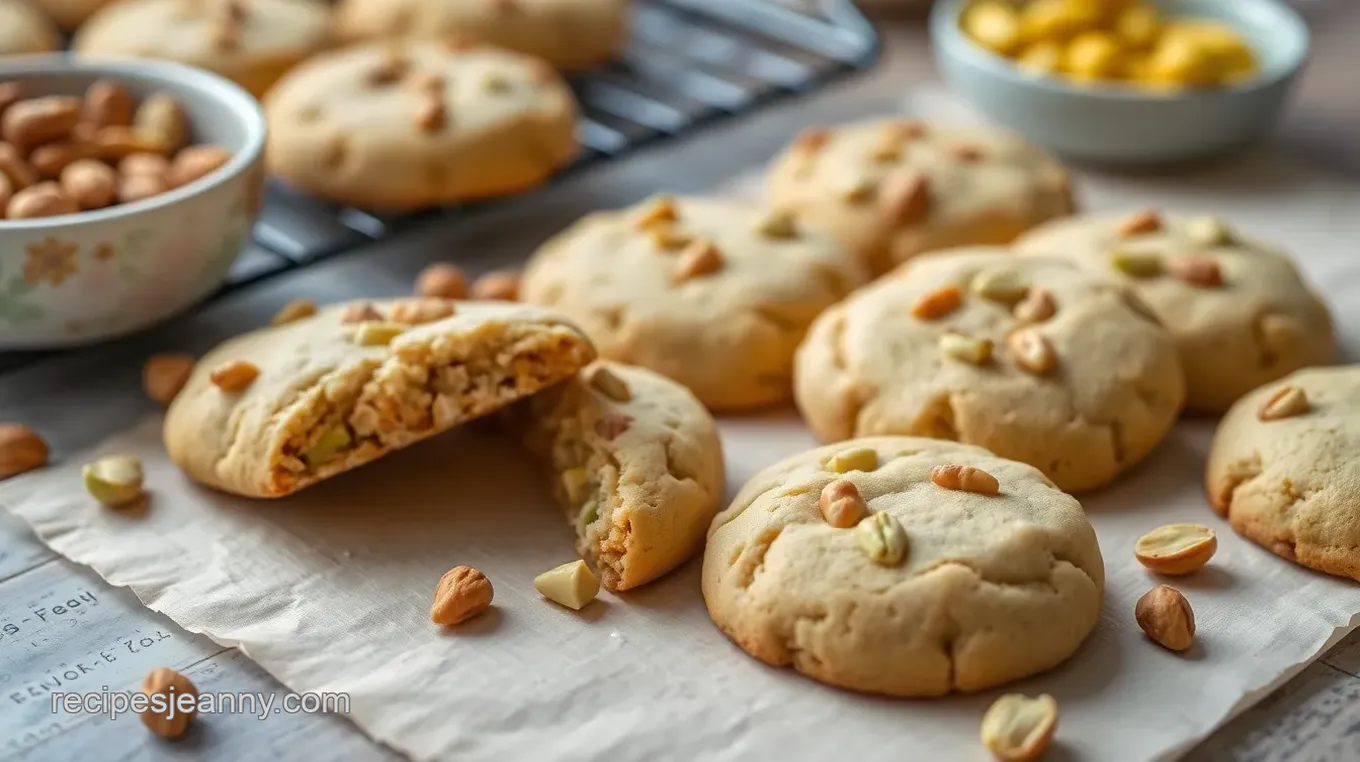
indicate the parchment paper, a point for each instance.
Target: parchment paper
{"x":330,"y":590}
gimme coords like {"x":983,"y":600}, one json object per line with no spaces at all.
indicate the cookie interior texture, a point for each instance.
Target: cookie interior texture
{"x":993,"y":587}
{"x":870,"y":366}
{"x":639,"y":478}
{"x":323,"y":404}
{"x":1256,"y":321}
{"x":727,"y":331}
{"x":1292,"y":484}
{"x":976,"y":186}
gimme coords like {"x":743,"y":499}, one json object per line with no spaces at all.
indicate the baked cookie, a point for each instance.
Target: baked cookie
{"x":714,"y":293}
{"x":569,"y":34}
{"x":69,"y":14}
{"x":419,"y":124}
{"x":251,"y":42}
{"x":270,"y":412}
{"x":1032,"y":358}
{"x":891,"y":189}
{"x":1285,"y":468}
{"x":24,"y":30}
{"x":905,"y":566}
{"x":1238,"y":309}
{"x":635,"y":461}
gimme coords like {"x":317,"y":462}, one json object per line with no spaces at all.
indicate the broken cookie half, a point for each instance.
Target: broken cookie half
{"x":273,"y":411}
{"x":635,"y":460}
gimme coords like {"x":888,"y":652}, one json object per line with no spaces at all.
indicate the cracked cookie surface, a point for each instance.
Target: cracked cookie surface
{"x":409,"y":124}
{"x":990,"y":587}
{"x":270,"y":412}
{"x":251,"y":42}
{"x":713,"y":293}
{"x":569,"y":34}
{"x":1031,"y":358}
{"x":1239,"y":310}
{"x":893,"y":188}
{"x":636,"y":463}
{"x":1284,"y":470}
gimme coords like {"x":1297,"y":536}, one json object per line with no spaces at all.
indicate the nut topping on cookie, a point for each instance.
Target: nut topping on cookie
{"x":431,"y":116}
{"x":963,"y":478}
{"x":882,"y":539}
{"x":612,"y":425}
{"x":293,"y":311}
{"x":377,"y":333}
{"x":442,"y":281}
{"x":1140,"y":222}
{"x":966,"y":348}
{"x":699,"y":258}
{"x":888,"y":146}
{"x":658,"y":209}
{"x":1139,"y":264}
{"x":1036,"y":307}
{"x":606,"y":382}
{"x":938,"y":303}
{"x":841,"y":504}
{"x":667,"y":237}
{"x":1017,"y":728}
{"x":420,"y":311}
{"x":1285,"y":402}
{"x":1198,"y":271}
{"x":390,"y":69}
{"x":1176,"y":549}
{"x":964,"y":152}
{"x":497,"y":284}
{"x":812,"y":139}
{"x":904,"y":196}
{"x":234,"y":376}
{"x":362,"y":312}
{"x":778,"y":224}
{"x":1031,"y":351}
{"x":859,"y":190}
{"x":1002,"y":285}
{"x":462,"y":594}
{"x":854,"y":459}
{"x":1166,"y":617}
{"x":1209,"y":231}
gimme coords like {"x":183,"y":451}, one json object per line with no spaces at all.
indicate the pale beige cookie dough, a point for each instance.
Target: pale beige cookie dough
{"x":1238,"y":308}
{"x":893,"y":188}
{"x":636,"y":463}
{"x":251,"y":42}
{"x":1032,"y":358}
{"x":974,"y":589}
{"x":270,"y":412}
{"x":1285,"y":468}
{"x":24,"y":30}
{"x":69,"y":14}
{"x":569,"y":34}
{"x":715,"y":293}
{"x":417,"y":124}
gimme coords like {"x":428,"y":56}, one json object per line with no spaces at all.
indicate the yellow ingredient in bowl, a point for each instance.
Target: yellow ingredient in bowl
{"x":994,"y":24}
{"x":1057,"y":19}
{"x":1042,"y":58}
{"x":1138,"y":26}
{"x":1094,"y":56}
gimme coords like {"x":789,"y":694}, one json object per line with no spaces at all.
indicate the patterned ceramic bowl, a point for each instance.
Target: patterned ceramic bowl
{"x":80,"y":278}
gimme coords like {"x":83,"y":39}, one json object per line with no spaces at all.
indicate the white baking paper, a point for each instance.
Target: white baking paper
{"x":330,"y":590}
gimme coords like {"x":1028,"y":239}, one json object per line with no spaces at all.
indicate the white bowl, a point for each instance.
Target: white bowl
{"x":84,"y":277}
{"x":1114,"y":124}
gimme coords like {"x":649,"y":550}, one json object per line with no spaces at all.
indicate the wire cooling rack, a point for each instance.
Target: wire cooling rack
{"x":688,"y":63}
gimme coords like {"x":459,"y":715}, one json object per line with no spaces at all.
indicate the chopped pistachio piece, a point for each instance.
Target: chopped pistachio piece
{"x":1004,"y":285}
{"x":114,"y":480}
{"x":590,"y":513}
{"x":779,"y":224}
{"x":574,"y":483}
{"x":572,"y":584}
{"x":882,"y":539}
{"x":855,"y":459}
{"x":1139,"y":264}
{"x":327,"y":447}
{"x":374,"y":333}
{"x":966,"y":348}
{"x":1209,"y":231}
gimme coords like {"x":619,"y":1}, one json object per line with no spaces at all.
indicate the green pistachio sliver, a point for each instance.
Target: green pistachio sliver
{"x":327,"y":447}
{"x":590,"y":513}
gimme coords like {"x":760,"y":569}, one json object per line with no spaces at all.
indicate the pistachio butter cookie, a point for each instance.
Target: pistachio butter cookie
{"x":1284,"y":468}
{"x":636,"y":462}
{"x":1239,"y":310}
{"x":270,"y":412}
{"x":69,"y":14}
{"x":569,"y":34}
{"x":893,"y":188}
{"x":904,"y":566}
{"x":417,"y":124}
{"x":1032,"y":358}
{"x":24,"y":30}
{"x":251,"y":42}
{"x":714,"y":293}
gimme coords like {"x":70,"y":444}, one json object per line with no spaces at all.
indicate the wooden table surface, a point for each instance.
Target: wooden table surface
{"x":62,"y":628}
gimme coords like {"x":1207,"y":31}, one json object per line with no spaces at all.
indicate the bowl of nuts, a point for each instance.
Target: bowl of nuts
{"x":127,"y":189}
{"x":1124,"y":82}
